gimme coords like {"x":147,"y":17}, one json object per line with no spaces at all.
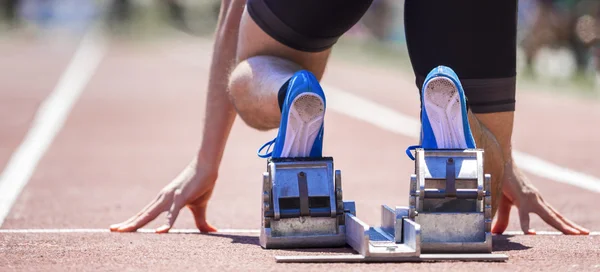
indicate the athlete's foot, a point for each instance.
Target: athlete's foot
{"x":301,"y":127}
{"x":445,"y":124}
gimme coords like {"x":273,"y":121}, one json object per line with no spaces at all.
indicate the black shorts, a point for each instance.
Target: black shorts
{"x":477,"y":39}
{"x":307,"y":25}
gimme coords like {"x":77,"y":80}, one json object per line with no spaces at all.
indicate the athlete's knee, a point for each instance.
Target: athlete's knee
{"x":240,"y":81}
{"x":238,"y":92}
{"x":240,"y":86}
{"x":253,"y":122}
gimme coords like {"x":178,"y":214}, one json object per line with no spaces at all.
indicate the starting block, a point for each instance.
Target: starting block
{"x":302,"y":204}
{"x":448,"y":216}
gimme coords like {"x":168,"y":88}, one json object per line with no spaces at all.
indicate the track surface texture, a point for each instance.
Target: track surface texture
{"x":139,"y":119}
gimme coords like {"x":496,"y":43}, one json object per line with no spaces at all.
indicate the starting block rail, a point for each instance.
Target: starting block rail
{"x":448,"y":216}
{"x":354,"y":258}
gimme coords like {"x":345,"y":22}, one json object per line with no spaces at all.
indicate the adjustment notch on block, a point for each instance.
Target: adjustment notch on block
{"x":303,"y":190}
{"x":450,"y":178}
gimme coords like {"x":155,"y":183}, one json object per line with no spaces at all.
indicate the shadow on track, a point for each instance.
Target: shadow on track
{"x":504,"y":243}
{"x":237,"y":239}
{"x":253,"y":240}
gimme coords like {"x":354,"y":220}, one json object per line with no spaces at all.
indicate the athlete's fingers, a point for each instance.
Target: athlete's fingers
{"x":572,"y":224}
{"x":200,"y":219}
{"x":134,"y":217}
{"x":131,"y":219}
{"x":503,"y":215}
{"x":152,"y":212}
{"x":144,"y":210}
{"x":551,"y":219}
{"x":142,"y":220}
{"x":524,"y":220}
{"x":178,"y":203}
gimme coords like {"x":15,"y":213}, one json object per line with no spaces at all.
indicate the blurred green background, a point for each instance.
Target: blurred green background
{"x":558,"y":40}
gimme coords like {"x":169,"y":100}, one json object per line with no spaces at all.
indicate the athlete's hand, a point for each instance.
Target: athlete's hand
{"x":192,"y":188}
{"x":518,"y":191}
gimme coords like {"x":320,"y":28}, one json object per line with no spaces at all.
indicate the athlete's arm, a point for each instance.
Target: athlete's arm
{"x":194,"y":185}
{"x":517,"y":190}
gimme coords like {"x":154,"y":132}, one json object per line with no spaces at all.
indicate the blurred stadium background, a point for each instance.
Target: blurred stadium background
{"x":559,"y":40}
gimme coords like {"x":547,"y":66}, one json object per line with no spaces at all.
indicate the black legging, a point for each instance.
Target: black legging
{"x":476,"y":38}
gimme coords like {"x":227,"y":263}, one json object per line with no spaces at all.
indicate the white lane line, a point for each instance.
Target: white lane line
{"x":180,"y":231}
{"x":518,"y":232}
{"x":391,"y":120}
{"x":194,"y":231}
{"x":49,"y":120}
{"x":555,"y":172}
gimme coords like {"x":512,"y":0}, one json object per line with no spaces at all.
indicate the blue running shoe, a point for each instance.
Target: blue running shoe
{"x":301,"y":128}
{"x":444,"y":122}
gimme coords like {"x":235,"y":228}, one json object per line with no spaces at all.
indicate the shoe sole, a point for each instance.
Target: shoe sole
{"x":442,"y":103}
{"x":305,"y":118}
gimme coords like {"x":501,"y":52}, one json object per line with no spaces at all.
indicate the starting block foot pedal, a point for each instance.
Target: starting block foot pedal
{"x":302,"y":204}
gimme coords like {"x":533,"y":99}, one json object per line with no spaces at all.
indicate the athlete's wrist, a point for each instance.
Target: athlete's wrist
{"x":206,"y":162}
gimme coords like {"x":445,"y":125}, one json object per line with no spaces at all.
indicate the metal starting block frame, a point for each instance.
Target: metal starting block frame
{"x":302,"y":204}
{"x":448,"y":216}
